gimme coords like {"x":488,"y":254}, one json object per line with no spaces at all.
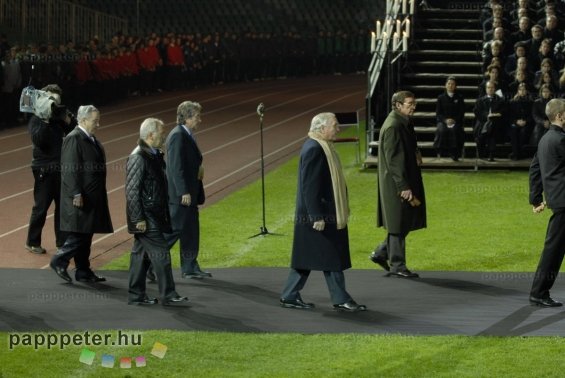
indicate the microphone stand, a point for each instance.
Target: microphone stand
{"x":263,"y":229}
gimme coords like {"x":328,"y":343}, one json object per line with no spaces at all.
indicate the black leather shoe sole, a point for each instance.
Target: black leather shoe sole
{"x":193,"y":276}
{"x":92,"y":279}
{"x":403,"y":275}
{"x":145,"y":302}
{"x":175,"y":300}
{"x":296,"y":304}
{"x":545,"y":302}
{"x":61,"y":272}
{"x":380,"y":261}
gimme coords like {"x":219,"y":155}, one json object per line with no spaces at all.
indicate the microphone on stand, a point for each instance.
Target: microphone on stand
{"x":261,"y":109}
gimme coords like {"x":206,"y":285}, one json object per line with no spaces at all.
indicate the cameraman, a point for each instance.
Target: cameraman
{"x":47,"y":137}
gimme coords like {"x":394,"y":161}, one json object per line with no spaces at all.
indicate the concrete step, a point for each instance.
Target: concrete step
{"x":468,"y":162}
{"x":468,"y":115}
{"x":433,"y":101}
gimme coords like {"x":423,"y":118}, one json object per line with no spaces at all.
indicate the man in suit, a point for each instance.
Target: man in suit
{"x":547,"y":177}
{"x":321,"y":240}
{"x":186,"y":191}
{"x":84,"y":202}
{"x":401,"y":201}
{"x":450,"y":112}
{"x":489,"y":121}
{"x":148,"y":216}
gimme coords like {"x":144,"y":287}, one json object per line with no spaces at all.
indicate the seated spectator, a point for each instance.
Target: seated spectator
{"x":521,"y":77}
{"x":505,"y":45}
{"x":450,"y":113}
{"x":533,"y":44}
{"x":552,"y":30}
{"x":523,"y":33}
{"x":488,"y":35}
{"x":519,"y":51}
{"x":521,"y":121}
{"x":544,"y":51}
{"x":515,"y":25}
{"x":489,"y":121}
{"x":546,"y":75}
{"x":538,"y":113}
{"x":494,"y":75}
{"x":495,"y":52}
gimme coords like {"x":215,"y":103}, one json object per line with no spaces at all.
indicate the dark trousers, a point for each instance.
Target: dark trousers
{"x":393,"y":248}
{"x":46,"y":189}
{"x":189,"y":237}
{"x":446,"y":141}
{"x":150,"y":249}
{"x":551,"y":256}
{"x":519,"y":136}
{"x":76,"y":246}
{"x":297,"y":279}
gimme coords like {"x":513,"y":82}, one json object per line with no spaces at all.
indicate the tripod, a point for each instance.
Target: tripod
{"x":263,"y":229}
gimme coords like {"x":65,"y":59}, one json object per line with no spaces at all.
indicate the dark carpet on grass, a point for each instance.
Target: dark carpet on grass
{"x":246,"y":300}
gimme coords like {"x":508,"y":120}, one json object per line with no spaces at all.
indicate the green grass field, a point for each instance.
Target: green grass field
{"x":477,"y":221}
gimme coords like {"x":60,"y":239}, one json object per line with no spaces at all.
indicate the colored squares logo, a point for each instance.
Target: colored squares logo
{"x":140,"y":361}
{"x":159,"y":350}
{"x":125,"y":363}
{"x":107,"y":361}
{"x":87,"y":356}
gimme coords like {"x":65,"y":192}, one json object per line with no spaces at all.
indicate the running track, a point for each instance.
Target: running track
{"x":228,"y":138}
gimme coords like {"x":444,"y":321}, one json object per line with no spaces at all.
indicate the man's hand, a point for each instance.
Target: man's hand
{"x":407,"y":195}
{"x":77,"y":201}
{"x":185,"y":199}
{"x":319,"y":225}
{"x":539,"y":208}
{"x":141,"y":226}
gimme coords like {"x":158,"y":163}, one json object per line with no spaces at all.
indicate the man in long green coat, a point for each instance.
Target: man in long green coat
{"x":401,"y":201}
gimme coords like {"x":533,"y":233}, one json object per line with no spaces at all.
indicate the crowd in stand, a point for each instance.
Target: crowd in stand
{"x":100,"y":72}
{"x":523,"y":62}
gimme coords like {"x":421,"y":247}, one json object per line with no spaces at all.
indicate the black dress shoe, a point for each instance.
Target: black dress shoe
{"x":144,"y":301}
{"x":93,"y":278}
{"x":295,"y":303}
{"x":380,"y":260}
{"x":545,"y":302}
{"x":350,"y":306}
{"x":194,"y":276}
{"x":173,"y":300}
{"x":202,"y":273}
{"x":61,"y":272}
{"x":403,"y":274}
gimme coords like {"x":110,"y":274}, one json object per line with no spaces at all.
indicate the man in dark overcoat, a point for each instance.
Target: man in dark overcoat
{"x":401,"y":200}
{"x":186,"y":191}
{"x":321,"y":240}
{"x":547,"y":177}
{"x":84,"y":201}
{"x":148,"y":216}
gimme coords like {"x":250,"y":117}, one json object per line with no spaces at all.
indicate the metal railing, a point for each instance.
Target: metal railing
{"x":56,"y":21}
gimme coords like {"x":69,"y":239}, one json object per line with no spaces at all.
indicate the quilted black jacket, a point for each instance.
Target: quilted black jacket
{"x":146,"y":190}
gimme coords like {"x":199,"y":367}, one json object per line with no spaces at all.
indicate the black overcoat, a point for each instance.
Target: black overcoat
{"x":326,"y":250}
{"x":83,"y":171}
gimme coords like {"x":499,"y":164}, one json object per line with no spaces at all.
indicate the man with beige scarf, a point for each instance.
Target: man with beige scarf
{"x":321,"y":240}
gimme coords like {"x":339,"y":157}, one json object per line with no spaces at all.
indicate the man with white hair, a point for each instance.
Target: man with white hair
{"x":84,"y":201}
{"x":148,"y":216}
{"x":321,"y":240}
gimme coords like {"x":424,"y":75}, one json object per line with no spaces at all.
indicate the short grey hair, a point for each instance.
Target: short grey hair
{"x":554,"y":106}
{"x":84,"y":111}
{"x":321,"y":120}
{"x":149,"y":126}
{"x":187,"y":110}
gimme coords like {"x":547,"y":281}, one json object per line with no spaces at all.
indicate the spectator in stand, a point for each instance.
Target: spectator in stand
{"x":561,"y":87}
{"x":523,"y":33}
{"x":544,"y":51}
{"x":488,"y":35}
{"x":521,"y":76}
{"x":495,"y":51}
{"x":505,"y":48}
{"x":11,"y":84}
{"x":450,"y":113}
{"x":519,"y":51}
{"x":515,"y":25}
{"x":541,"y":77}
{"x":175,"y":61}
{"x":493,"y":75}
{"x":538,"y":113}
{"x":552,"y":31}
{"x":497,"y":12}
{"x":521,"y":121}
{"x":534,"y":43}
{"x":489,"y":121}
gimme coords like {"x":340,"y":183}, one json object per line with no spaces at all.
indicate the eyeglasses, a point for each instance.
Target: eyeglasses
{"x":410,"y":104}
